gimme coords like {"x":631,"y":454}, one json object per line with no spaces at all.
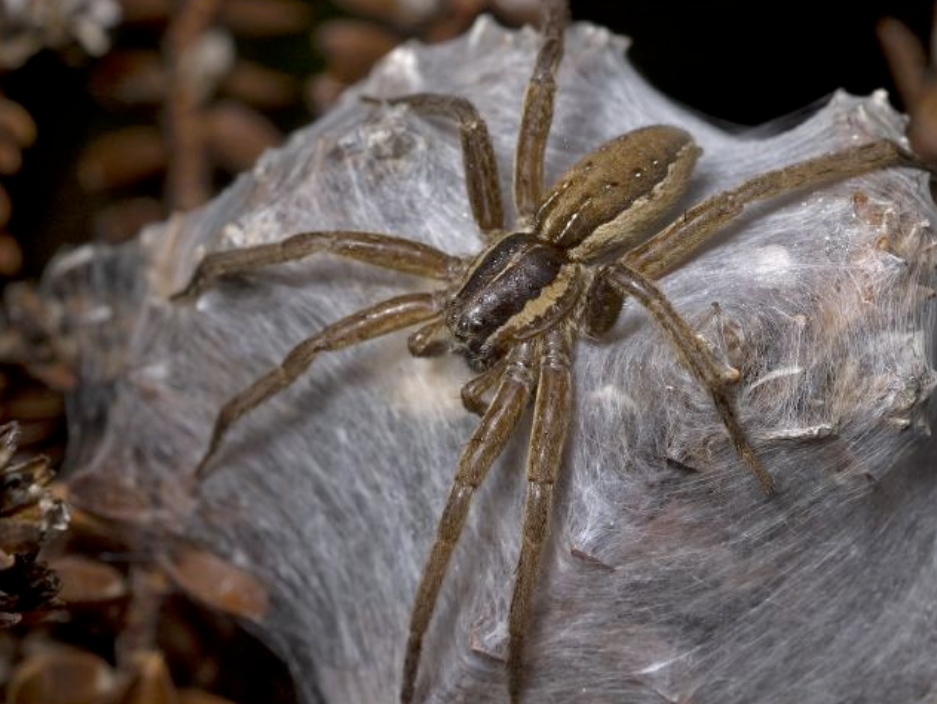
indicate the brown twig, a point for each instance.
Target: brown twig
{"x":916,"y":83}
{"x":187,"y":175}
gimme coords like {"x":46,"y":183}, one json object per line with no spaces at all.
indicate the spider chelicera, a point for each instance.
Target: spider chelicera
{"x":514,"y":310}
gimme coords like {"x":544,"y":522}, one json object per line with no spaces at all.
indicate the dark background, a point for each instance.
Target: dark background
{"x":749,"y":62}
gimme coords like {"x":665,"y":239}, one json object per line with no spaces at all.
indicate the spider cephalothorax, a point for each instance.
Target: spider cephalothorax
{"x":515,"y":310}
{"x":521,"y":285}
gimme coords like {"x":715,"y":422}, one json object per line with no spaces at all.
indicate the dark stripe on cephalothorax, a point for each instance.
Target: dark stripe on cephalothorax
{"x":511,"y":273}
{"x":607,"y":182}
{"x":490,"y":262}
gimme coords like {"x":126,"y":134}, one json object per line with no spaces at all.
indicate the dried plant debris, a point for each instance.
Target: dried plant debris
{"x":31,"y":337}
{"x":209,"y":105}
{"x":352,"y":45}
{"x":64,"y":675}
{"x":126,"y":634}
{"x":915,"y":78}
{"x":29,"y":515}
{"x":17,"y":132}
{"x":670,"y":577}
{"x":26,"y":26}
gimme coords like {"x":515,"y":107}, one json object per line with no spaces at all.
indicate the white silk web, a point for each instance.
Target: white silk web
{"x":669,"y":577}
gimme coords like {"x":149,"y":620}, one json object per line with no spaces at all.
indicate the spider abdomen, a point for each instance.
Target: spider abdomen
{"x":614,"y":193}
{"x":509,"y":292}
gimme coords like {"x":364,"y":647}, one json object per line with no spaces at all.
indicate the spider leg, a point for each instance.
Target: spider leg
{"x":380,"y":250}
{"x":374,"y":321}
{"x":547,"y":437}
{"x":474,"y":390}
{"x":486,"y":443}
{"x":538,"y":111}
{"x":478,"y":154}
{"x":662,"y":252}
{"x":695,"y":354}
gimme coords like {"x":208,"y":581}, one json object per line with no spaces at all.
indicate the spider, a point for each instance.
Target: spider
{"x":514,"y":311}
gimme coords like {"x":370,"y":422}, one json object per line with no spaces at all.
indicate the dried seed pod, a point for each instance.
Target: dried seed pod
{"x":198,"y":696}
{"x":519,"y":12}
{"x":11,"y":159}
{"x":121,"y":158}
{"x":29,"y":512}
{"x":24,"y":485}
{"x":399,"y":12}
{"x":153,"y":684}
{"x":351,"y":47}
{"x":265,"y":18}
{"x":259,"y":86}
{"x":322,"y":90}
{"x":145,"y":11}
{"x":61,"y":676}
{"x":14,"y":120}
{"x":125,"y":218}
{"x":236,"y":135}
{"x":454,"y":18}
{"x":5,"y":207}
{"x":34,"y":406}
{"x":31,"y":336}
{"x":217,"y":582}
{"x":129,"y":78}
{"x":86,"y":581}
{"x":11,"y":255}
{"x":28,"y":589}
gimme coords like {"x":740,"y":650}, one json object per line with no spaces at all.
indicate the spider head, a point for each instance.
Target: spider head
{"x":504,"y":297}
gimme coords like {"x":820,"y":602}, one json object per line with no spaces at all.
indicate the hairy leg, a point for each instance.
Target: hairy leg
{"x":485,"y":445}
{"x":385,"y":251}
{"x":697,"y":357}
{"x":669,"y":247}
{"x":380,"y":319}
{"x":474,"y":390}
{"x":552,"y":410}
{"x":537,"y":114}
{"x":478,"y":155}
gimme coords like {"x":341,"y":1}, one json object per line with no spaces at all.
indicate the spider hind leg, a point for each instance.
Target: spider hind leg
{"x":552,"y":412}
{"x":483,"y":448}
{"x":478,"y":155}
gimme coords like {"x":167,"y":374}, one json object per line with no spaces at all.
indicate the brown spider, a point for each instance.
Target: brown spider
{"x":515,"y":309}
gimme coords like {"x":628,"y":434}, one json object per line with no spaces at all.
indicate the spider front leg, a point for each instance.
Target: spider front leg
{"x":478,"y":154}
{"x":377,"y":249}
{"x":544,"y":458}
{"x":537,"y":114}
{"x":694,"y":353}
{"x":380,"y":319}
{"x":482,"y":449}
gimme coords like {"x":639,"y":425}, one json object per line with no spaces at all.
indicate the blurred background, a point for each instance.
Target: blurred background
{"x":115,"y":113}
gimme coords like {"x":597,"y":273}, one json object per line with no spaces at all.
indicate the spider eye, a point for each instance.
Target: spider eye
{"x":469,"y":327}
